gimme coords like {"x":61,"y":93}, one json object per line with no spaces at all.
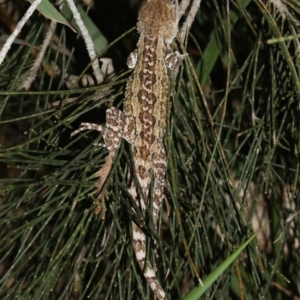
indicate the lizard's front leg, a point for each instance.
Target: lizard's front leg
{"x":173,"y":59}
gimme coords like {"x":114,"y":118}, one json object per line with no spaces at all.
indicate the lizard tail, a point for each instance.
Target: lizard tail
{"x":139,"y":245}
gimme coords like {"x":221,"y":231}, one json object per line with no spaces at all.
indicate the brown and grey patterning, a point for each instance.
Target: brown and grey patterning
{"x":143,"y":120}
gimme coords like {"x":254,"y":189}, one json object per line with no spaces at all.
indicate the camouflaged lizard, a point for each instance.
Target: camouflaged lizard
{"x":143,"y":120}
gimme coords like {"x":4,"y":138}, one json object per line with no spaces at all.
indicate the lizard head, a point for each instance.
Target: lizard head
{"x":159,"y":17}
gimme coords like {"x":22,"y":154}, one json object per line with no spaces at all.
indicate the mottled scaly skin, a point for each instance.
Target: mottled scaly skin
{"x":146,"y":105}
{"x":143,"y":120}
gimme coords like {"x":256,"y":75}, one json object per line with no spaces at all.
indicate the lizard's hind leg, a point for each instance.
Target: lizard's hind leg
{"x":117,"y":126}
{"x":159,"y":169}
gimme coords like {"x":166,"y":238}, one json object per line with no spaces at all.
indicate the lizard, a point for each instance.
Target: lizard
{"x":143,"y":120}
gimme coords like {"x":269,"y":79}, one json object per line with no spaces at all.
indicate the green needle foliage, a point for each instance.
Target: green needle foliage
{"x":213,"y":276}
{"x":232,"y":145}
